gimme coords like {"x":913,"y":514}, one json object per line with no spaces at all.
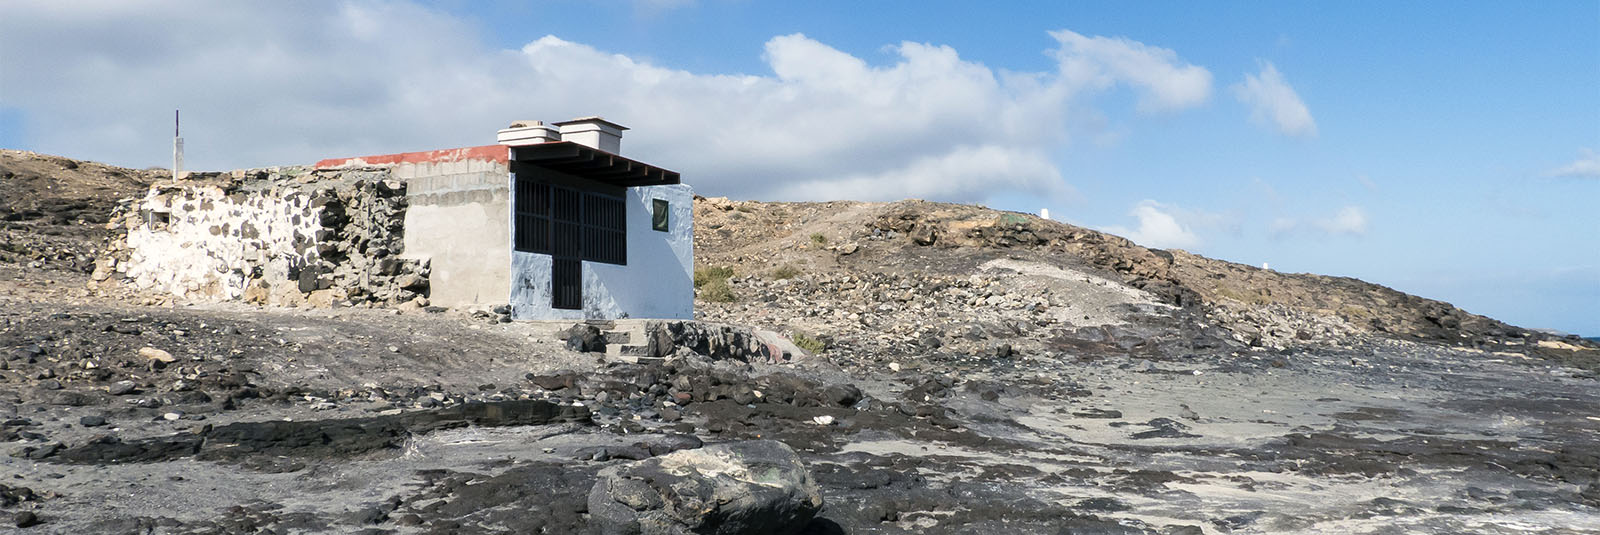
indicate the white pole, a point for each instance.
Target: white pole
{"x":177,"y":149}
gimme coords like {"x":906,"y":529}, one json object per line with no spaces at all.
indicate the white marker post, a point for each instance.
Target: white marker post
{"x":177,"y":149}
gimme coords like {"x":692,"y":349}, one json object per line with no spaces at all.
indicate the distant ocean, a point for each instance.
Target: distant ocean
{"x":1595,"y":339}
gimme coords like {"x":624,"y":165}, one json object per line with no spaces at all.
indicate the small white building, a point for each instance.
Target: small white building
{"x":594,"y":234}
{"x":552,"y":221}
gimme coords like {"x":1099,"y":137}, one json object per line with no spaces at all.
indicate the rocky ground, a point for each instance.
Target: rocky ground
{"x":979,"y":372}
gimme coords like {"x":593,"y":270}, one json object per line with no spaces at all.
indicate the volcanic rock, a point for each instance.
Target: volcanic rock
{"x":741,"y":487}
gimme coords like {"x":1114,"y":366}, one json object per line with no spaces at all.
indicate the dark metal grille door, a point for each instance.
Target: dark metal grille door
{"x":566,"y":273}
{"x":566,"y":283}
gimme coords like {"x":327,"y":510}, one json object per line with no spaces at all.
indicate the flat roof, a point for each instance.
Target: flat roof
{"x":590,"y":163}
{"x":590,"y":119}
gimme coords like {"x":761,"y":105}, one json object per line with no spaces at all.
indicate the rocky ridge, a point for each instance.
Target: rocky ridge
{"x":973,"y":371}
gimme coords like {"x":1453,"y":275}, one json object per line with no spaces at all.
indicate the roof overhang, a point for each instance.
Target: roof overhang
{"x":589,"y":163}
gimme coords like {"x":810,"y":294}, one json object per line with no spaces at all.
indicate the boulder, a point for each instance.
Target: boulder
{"x":735,"y":488}
{"x":157,"y":355}
{"x":584,"y":338}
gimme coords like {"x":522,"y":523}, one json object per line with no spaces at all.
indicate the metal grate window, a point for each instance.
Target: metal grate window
{"x":605,"y":237}
{"x":532,"y":232}
{"x":568,"y":222}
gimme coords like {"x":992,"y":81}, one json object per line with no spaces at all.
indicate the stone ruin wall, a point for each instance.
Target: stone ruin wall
{"x":284,"y":236}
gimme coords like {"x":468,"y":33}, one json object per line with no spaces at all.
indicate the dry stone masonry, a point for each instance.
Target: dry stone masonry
{"x":290,"y":236}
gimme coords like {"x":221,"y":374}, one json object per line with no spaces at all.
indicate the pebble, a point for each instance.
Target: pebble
{"x":25,"y":519}
{"x":172,"y":416}
{"x":92,"y":421}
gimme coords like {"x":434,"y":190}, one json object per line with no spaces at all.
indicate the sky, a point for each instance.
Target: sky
{"x":1445,"y":149}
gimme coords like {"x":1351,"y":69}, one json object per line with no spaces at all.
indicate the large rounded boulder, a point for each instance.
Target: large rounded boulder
{"x":735,"y":488}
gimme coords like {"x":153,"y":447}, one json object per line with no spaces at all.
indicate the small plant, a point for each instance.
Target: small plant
{"x":786,"y":271}
{"x":818,"y":239}
{"x":806,"y":342}
{"x":718,"y":291}
{"x":706,"y":274}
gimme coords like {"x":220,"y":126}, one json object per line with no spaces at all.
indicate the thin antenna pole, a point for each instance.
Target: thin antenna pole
{"x":177,"y":148}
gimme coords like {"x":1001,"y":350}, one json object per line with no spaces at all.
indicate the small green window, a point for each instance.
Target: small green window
{"x":658,"y":214}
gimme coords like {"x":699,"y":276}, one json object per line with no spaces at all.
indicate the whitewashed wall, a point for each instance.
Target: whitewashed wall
{"x":658,"y":281}
{"x":212,"y":240}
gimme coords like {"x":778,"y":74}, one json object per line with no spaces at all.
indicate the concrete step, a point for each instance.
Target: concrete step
{"x":627,"y":350}
{"x":637,"y":354}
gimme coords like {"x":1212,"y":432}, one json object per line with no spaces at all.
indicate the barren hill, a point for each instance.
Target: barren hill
{"x":919,"y":238}
{"x":972,"y":371}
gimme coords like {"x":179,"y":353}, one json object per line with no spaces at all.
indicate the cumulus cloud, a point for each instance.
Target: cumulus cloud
{"x":293,"y":85}
{"x":1274,"y":103}
{"x":1158,"y":227}
{"x":1167,"y":82}
{"x":1586,"y":166}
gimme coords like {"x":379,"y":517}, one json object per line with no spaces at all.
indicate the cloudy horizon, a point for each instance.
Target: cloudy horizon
{"x":1442,"y":177}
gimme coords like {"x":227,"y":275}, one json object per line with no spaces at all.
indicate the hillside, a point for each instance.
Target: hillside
{"x":972,"y":371}
{"x":1260,"y":307}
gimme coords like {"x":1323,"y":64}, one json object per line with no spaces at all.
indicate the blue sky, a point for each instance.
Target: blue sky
{"x":1445,"y":149}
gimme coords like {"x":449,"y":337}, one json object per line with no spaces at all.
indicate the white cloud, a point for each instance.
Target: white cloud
{"x":1283,"y":226}
{"x":1158,"y":227}
{"x":1586,"y":166}
{"x":1168,"y":83}
{"x":278,"y":85}
{"x":1349,"y":221}
{"x":1274,"y":103}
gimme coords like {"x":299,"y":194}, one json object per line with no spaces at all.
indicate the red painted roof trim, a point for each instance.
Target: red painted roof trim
{"x":495,"y":153}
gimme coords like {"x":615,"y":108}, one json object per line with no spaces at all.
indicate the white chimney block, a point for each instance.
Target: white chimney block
{"x":527,"y":133}
{"x":593,"y":132}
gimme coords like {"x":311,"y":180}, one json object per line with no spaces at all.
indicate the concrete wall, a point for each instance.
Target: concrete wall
{"x":658,"y":281}
{"x":457,"y":220}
